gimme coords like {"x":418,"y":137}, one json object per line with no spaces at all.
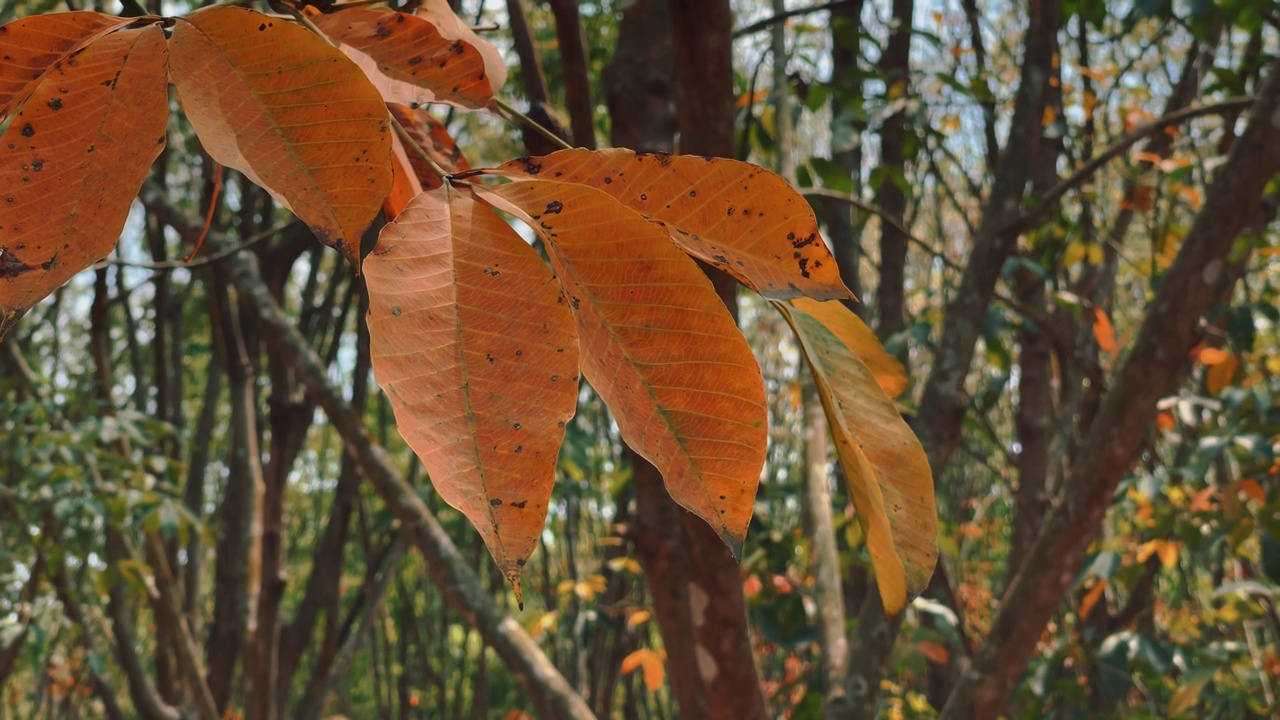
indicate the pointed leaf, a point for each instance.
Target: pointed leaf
{"x":884,"y":465}
{"x":288,"y":110}
{"x":855,"y":334}
{"x":658,"y":346}
{"x":32,"y":45}
{"x":475,"y":347}
{"x":414,"y":59}
{"x":741,"y":218}
{"x":72,"y":160}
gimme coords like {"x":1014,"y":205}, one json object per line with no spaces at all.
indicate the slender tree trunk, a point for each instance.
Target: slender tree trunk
{"x":577,"y":80}
{"x":846,"y":145}
{"x":895,"y":65}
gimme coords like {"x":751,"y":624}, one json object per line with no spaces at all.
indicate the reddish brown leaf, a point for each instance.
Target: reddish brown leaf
{"x":658,"y":346}
{"x":72,"y":160}
{"x":288,"y":110}
{"x":415,"y":59}
{"x":412,"y":173}
{"x":32,"y":45}
{"x":475,"y":347}
{"x":741,"y":218}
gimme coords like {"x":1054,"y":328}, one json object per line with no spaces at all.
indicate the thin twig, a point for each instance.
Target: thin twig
{"x":768,"y":22}
{"x":1086,"y":171}
{"x":885,"y":217}
{"x":175,"y":264}
{"x":534,"y":124}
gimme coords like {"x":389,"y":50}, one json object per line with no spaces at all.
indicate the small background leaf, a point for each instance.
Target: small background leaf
{"x":288,"y":110}
{"x":415,"y":59}
{"x":658,"y":346}
{"x":739,"y":217}
{"x":72,"y":160}
{"x":475,"y":347}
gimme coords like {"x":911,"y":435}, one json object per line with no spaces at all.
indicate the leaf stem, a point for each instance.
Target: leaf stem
{"x":534,"y":124}
{"x":406,"y":138}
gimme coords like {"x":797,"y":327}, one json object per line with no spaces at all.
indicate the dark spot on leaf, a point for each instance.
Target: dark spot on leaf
{"x":519,"y":449}
{"x":495,"y":502}
{"x":55,"y":104}
{"x":553,"y":208}
{"x":517,"y":426}
{"x":730,"y":213}
{"x":519,"y":353}
{"x":520,"y":562}
{"x":608,"y":180}
{"x":489,"y":357}
{"x":415,"y":59}
{"x":27,"y":130}
{"x":791,"y":236}
{"x":554,"y":378}
{"x":10,"y":265}
{"x":520,"y":505}
{"x":395,"y":310}
{"x":643,"y":196}
{"x":383,"y":31}
{"x":804,"y":241}
{"x":693,"y":193}
{"x":804,"y":267}
{"x":458,"y":48}
{"x":262,"y":27}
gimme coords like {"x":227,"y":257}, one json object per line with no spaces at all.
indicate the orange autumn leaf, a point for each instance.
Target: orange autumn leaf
{"x":738,"y":217}
{"x":658,"y":346}
{"x":1211,"y":356}
{"x":1251,"y":489}
{"x":32,"y":45}
{"x":429,"y":56}
{"x":1104,"y":332}
{"x":411,"y":173}
{"x":287,"y":109}
{"x":74,"y":157}
{"x":1165,"y":421}
{"x":1202,"y":500}
{"x":650,"y":663}
{"x":934,"y":652}
{"x":1091,"y":598}
{"x":475,"y":347}
{"x":1220,"y":373}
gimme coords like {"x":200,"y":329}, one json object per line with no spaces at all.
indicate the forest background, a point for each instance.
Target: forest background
{"x":1023,"y":198}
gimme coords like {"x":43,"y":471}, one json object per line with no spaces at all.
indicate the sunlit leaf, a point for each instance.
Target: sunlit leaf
{"x":424,"y":57}
{"x":72,"y":160}
{"x":854,"y":333}
{"x":475,"y":347}
{"x":738,"y":217}
{"x":650,"y":663}
{"x":288,"y":110}
{"x":1221,"y":374}
{"x":1092,"y":597}
{"x":33,"y":45}
{"x":658,"y":346}
{"x":884,"y":465}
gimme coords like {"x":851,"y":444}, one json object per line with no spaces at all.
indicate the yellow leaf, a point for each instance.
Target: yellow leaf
{"x":287,"y":109}
{"x":658,"y":346}
{"x":476,"y":350}
{"x":1166,"y":550}
{"x":885,"y":467}
{"x":738,"y":217}
{"x":650,"y":663}
{"x":639,"y":617}
{"x":1187,"y":696}
{"x":1104,"y":332}
{"x":77,"y":153}
{"x":1220,"y":374}
{"x":1073,"y":254}
{"x":428,"y":56}
{"x":854,"y":333}
{"x":1091,"y":598}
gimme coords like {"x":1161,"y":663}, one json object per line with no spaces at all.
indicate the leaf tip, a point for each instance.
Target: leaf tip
{"x":734,"y":542}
